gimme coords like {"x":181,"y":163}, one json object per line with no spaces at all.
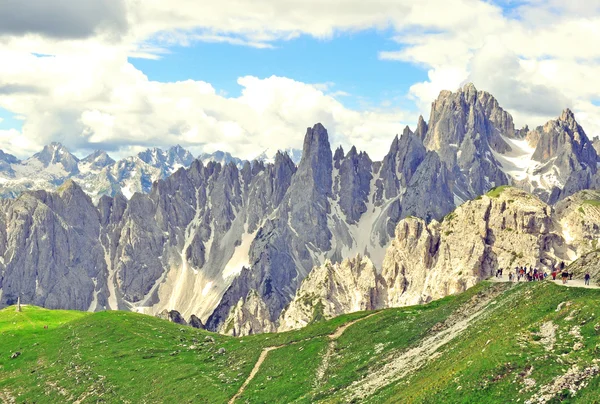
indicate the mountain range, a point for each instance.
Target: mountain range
{"x":231,"y":242}
{"x":98,"y":174}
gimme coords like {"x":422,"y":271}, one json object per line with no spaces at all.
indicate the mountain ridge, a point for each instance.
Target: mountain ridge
{"x":234,"y":244}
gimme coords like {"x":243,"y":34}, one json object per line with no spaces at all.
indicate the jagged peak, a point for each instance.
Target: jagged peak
{"x":469,"y":87}
{"x":407,"y":131}
{"x":422,"y":127}
{"x":316,"y":138}
{"x":339,"y":154}
{"x":69,"y":186}
{"x":567,"y":115}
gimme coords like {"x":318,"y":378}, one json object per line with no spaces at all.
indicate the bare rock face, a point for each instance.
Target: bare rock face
{"x":400,"y":164}
{"x":249,"y":316}
{"x":464,"y":128}
{"x":579,"y":218}
{"x":353,"y":184}
{"x":587,"y":263}
{"x":429,"y":261}
{"x":52,"y":257}
{"x":567,"y":157}
{"x":334,"y":289}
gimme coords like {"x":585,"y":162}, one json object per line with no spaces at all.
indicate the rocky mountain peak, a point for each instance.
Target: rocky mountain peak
{"x":567,"y":116}
{"x":317,"y":160}
{"x":338,"y":156}
{"x":56,"y":153}
{"x":566,"y":155}
{"x":421,"y":130}
{"x":8,"y":158}
{"x":98,"y":160}
{"x":470,"y":91}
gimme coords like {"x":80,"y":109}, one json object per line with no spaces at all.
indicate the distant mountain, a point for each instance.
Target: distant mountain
{"x":222,"y":158}
{"x":98,"y":174}
{"x":96,"y":161}
{"x":268,"y":156}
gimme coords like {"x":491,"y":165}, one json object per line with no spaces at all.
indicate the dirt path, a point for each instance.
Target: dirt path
{"x":575,"y":283}
{"x":322,"y":369}
{"x":263,"y":355}
{"x":255,"y":369}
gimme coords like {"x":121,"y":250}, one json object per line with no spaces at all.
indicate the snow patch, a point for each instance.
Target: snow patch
{"x":240,"y":257}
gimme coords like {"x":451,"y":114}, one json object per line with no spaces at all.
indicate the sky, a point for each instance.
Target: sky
{"x":247,"y":76}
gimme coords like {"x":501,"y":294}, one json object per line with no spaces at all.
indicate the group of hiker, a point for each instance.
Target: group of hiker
{"x":524,"y":273}
{"x":531,"y":274}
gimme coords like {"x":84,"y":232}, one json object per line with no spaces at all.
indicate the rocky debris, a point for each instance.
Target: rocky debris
{"x":573,"y":380}
{"x":548,"y":335}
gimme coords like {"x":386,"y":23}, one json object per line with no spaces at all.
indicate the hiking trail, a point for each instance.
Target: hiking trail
{"x":263,"y":355}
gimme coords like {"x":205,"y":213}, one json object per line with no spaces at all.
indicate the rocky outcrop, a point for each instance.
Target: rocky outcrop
{"x":429,"y":261}
{"x":196,"y":322}
{"x":173,"y":316}
{"x":587,"y":263}
{"x":334,"y":289}
{"x":579,"y":219}
{"x":249,"y":316}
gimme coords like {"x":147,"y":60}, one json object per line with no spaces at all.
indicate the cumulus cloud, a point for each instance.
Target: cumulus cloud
{"x":535,"y":58}
{"x":115,"y":106}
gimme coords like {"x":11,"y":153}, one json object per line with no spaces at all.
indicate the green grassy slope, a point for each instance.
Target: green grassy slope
{"x":503,"y":354}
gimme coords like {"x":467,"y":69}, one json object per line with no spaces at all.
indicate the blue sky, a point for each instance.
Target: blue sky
{"x":8,"y":121}
{"x":349,"y":60}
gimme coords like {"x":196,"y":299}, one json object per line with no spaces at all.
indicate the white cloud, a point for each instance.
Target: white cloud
{"x":88,"y":101}
{"x":534,"y":60}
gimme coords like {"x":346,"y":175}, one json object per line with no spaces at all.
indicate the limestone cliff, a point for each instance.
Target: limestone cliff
{"x":334,"y":289}
{"x":426,"y":261}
